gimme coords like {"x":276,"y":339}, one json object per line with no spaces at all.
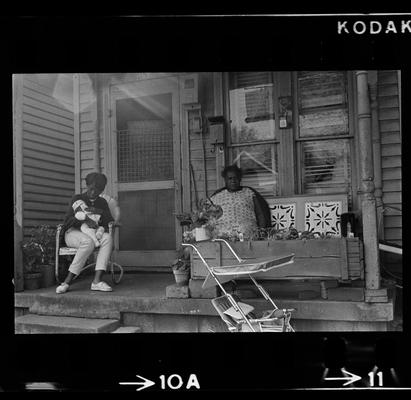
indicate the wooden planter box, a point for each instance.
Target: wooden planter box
{"x":339,"y":258}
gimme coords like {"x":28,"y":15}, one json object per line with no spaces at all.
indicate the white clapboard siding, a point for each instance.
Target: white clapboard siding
{"x":87,"y":127}
{"x":389,"y":122}
{"x":48,"y":149}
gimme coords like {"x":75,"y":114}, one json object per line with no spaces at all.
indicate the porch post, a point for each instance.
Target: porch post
{"x":96,"y":123}
{"x":76,"y":134}
{"x":18,"y":180}
{"x":376,"y":139}
{"x":219,"y":110}
{"x":368,"y":203}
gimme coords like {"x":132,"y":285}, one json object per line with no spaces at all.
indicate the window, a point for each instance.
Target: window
{"x":253,"y":140}
{"x":323,"y":135}
{"x":322,"y":140}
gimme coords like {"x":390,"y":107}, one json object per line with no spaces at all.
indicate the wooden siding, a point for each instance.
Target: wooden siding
{"x":87,"y":127}
{"x":48,"y":149}
{"x":390,"y":130}
{"x":202,"y":155}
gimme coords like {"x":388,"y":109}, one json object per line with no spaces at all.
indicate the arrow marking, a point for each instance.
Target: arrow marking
{"x":144,"y":384}
{"x":350,"y":379}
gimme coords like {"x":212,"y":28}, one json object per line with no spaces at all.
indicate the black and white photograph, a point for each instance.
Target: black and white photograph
{"x":208,"y":182}
{"x":236,"y":183}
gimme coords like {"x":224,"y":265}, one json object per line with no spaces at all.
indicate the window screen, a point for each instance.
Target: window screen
{"x":251,"y":107}
{"x":260,"y":166}
{"x":145,"y":139}
{"x":326,"y":166}
{"x":252,"y":122}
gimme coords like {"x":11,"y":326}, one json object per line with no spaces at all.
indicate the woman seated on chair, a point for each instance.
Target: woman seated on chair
{"x":244,"y":209}
{"x":75,"y":236}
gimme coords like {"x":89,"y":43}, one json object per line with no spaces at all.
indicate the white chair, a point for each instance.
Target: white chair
{"x":116,"y":270}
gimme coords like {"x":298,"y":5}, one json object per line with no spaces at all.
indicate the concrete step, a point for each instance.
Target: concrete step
{"x":32,"y":323}
{"x":128,"y":329}
{"x":92,"y":305}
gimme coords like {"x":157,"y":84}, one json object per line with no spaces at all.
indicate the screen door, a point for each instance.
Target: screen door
{"x":146,"y":136}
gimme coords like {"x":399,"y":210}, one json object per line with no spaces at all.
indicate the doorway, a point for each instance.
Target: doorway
{"x":146,"y":142}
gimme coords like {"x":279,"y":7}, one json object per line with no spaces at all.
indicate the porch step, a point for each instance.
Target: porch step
{"x":127,"y":329}
{"x":31,"y":323}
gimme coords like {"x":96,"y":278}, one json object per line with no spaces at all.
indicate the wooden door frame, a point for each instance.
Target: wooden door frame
{"x":147,"y":257}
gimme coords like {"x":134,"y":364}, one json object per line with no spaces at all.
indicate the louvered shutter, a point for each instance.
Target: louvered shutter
{"x":323,"y":112}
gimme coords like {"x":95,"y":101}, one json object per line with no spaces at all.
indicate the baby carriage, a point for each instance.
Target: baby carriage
{"x":239,"y":316}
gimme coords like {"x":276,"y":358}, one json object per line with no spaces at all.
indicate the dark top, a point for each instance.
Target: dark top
{"x":70,"y":221}
{"x":263,"y":212}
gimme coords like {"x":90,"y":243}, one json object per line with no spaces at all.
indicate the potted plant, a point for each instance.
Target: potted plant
{"x":201,"y":223}
{"x":32,"y":256}
{"x":181,"y":266}
{"x":39,"y":253}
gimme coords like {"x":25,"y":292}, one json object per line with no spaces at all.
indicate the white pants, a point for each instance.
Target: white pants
{"x":85,"y":245}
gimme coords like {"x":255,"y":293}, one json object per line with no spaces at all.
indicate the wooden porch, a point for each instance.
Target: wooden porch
{"x":140,"y":301}
{"x":373,"y":128}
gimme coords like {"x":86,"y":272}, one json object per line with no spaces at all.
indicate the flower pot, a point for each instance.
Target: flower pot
{"x":181,"y":277}
{"x":33,"y":280}
{"x":49,"y":278}
{"x":201,"y":234}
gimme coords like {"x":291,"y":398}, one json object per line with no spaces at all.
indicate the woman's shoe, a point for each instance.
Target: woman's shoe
{"x":101,"y":286}
{"x":62,"y":288}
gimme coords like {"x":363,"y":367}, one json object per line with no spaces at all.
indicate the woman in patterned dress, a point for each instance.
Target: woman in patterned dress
{"x":244,"y":209}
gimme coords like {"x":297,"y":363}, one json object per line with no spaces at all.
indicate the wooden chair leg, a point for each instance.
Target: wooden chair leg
{"x":56,"y":270}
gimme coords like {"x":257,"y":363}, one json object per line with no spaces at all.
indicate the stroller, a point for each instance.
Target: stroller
{"x":239,"y":316}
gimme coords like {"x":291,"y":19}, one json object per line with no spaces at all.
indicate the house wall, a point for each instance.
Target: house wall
{"x":390,"y":131}
{"x":202,"y":155}
{"x":47,"y":148}
{"x":92,"y":101}
{"x":86,"y":102}
{"x":92,"y":117}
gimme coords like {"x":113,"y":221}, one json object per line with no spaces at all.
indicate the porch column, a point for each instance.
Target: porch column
{"x":219,"y":110}
{"x":76,"y":134}
{"x":95,"y":116}
{"x":18,"y":181}
{"x":376,"y":140}
{"x":368,"y":203}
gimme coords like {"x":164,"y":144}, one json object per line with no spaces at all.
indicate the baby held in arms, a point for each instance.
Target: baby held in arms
{"x":91,"y":217}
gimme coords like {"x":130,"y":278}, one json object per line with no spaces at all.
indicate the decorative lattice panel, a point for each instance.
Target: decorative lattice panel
{"x":283,"y":216}
{"x":323,"y":217}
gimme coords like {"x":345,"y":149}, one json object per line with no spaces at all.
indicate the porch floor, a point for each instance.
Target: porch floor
{"x":140,"y":300}
{"x":137,"y":292}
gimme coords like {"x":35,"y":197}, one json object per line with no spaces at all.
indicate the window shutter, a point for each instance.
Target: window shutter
{"x":323,"y":111}
{"x":321,"y":88}
{"x":249,"y":79}
{"x":322,"y":102}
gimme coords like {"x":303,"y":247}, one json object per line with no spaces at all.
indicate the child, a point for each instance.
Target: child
{"x":89,"y":215}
